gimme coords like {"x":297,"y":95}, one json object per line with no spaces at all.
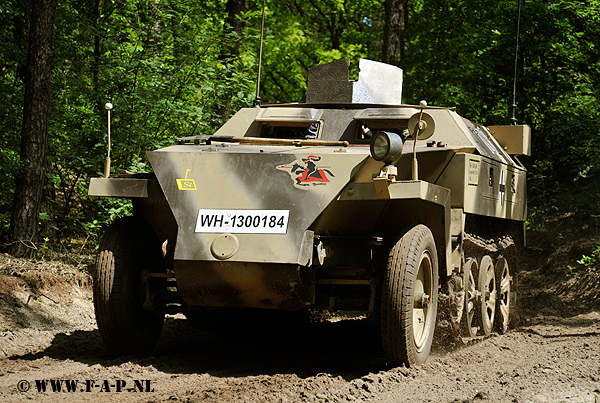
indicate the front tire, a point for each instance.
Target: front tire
{"x":409,"y":298}
{"x":129,"y":247}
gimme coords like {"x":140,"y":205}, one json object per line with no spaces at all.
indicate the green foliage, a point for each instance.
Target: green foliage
{"x":9,"y":162}
{"x":173,"y":69}
{"x":572,"y":271}
{"x":461,"y":53}
{"x":158,"y":63}
{"x":304,"y":33}
{"x":588,"y":262}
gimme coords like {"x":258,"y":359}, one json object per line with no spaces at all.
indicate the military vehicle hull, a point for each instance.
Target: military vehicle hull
{"x":287,"y":207}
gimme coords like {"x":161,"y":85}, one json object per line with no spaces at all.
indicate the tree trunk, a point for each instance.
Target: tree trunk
{"x":34,"y":130}
{"x":396,"y":19}
{"x":232,"y":32}
{"x":96,"y":64}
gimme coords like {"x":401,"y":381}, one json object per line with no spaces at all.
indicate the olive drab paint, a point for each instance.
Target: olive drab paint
{"x":285,"y":208}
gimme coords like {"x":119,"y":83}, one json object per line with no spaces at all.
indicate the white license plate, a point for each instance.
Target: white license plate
{"x":243,"y":221}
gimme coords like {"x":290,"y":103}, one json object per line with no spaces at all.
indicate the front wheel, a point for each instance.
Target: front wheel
{"x":129,"y":247}
{"x":409,"y":298}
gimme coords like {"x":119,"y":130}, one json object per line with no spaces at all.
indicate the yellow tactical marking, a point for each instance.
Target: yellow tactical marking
{"x":186,"y":184}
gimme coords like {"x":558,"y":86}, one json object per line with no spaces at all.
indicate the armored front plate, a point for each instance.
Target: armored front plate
{"x":268,"y":196}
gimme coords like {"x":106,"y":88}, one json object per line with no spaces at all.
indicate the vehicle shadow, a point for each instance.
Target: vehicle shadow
{"x":348,"y":348}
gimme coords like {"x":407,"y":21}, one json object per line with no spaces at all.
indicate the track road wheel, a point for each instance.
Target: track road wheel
{"x":409,"y":298}
{"x":503,"y":301}
{"x":129,"y":247}
{"x":487,"y":288}
{"x":468,"y":323}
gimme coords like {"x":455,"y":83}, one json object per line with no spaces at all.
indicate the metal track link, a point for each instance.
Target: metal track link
{"x":493,"y":247}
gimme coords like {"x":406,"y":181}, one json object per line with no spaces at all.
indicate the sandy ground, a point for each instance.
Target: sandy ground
{"x":48,"y":332}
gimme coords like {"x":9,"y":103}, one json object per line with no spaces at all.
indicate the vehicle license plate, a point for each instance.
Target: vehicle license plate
{"x":243,"y":221}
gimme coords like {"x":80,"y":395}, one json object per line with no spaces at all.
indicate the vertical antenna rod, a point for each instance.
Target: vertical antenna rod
{"x":257,"y":102}
{"x":513,"y":119}
{"x":108,"y":107}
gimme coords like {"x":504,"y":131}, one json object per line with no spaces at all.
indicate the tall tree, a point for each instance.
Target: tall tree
{"x":233,"y":27}
{"x":34,"y":131}
{"x":304,"y":33}
{"x":396,"y":19}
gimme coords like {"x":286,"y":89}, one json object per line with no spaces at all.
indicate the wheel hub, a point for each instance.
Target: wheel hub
{"x":421,"y":301}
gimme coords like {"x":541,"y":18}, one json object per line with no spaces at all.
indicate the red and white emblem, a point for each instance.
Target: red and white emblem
{"x":306,"y":172}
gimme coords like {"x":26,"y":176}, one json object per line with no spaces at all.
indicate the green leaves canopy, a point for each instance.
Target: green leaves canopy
{"x":169,"y":68}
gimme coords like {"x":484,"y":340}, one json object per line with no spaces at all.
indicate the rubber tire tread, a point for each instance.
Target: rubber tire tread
{"x":397,"y":297}
{"x":113,"y":266}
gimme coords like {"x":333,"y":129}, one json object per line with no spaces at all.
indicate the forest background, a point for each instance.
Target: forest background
{"x":179,"y":68}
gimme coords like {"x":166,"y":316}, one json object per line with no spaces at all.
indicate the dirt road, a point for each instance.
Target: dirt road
{"x":47,"y":332}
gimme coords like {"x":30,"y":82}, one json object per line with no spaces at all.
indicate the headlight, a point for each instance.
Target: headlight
{"x":386,"y":147}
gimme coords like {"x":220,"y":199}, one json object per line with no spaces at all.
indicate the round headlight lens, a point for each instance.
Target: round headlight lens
{"x":380,"y":147}
{"x":386,"y":147}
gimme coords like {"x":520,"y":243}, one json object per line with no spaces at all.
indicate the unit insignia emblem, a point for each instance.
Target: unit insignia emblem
{"x":305,"y":171}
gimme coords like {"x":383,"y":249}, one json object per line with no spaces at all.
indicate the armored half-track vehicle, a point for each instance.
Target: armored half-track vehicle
{"x":351,"y":201}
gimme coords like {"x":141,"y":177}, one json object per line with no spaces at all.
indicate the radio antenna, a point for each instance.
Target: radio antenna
{"x":108,"y":107}
{"x":513,"y":119}
{"x":257,"y":101}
